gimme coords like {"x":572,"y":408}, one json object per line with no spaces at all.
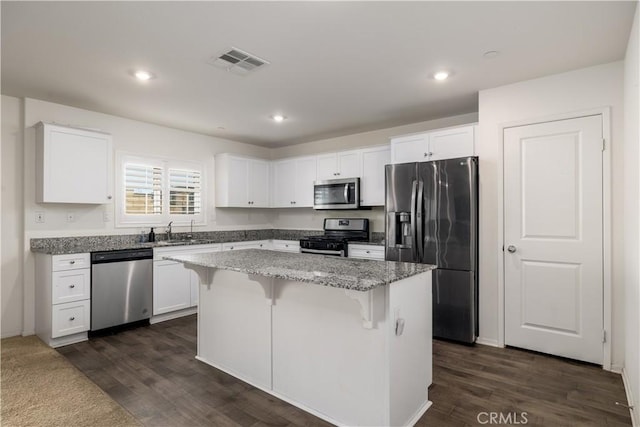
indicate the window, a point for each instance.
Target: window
{"x":143,"y":189}
{"x":154,"y":191}
{"x":184,"y":192}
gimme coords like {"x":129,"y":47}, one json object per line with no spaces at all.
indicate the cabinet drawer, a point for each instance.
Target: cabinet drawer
{"x":70,"y":285}
{"x":70,"y":262}
{"x":286,"y":245}
{"x":366,"y":252}
{"x":257,"y":244}
{"x":70,"y":318}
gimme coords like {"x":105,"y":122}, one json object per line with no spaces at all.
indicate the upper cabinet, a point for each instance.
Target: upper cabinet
{"x":293,"y":182}
{"x":72,"y":165}
{"x":436,"y":145}
{"x":241,"y":181}
{"x":372,"y":183}
{"x":344,"y":164}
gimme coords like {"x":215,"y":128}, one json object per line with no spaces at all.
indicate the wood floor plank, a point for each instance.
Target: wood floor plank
{"x":152,"y":372}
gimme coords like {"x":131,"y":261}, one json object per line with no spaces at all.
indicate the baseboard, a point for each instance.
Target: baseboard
{"x":617,"y":369}
{"x":630,"y":401}
{"x":488,"y":342}
{"x":173,"y":315}
{"x":11,"y":334}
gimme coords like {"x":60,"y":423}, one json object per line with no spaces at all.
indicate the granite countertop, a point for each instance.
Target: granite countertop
{"x":345,"y":273}
{"x":83,"y":244}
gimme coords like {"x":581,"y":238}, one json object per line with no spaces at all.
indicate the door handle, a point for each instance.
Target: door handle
{"x":414,"y":194}
{"x":511,"y":249}
{"x":346,"y":193}
{"x":419,"y":236}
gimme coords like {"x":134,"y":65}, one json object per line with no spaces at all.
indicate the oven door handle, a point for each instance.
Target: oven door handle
{"x":322,"y":252}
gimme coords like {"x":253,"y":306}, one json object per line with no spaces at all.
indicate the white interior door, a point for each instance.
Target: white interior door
{"x":553,"y":258}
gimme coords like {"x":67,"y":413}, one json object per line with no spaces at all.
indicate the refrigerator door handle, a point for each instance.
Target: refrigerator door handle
{"x":420,"y":236}
{"x":414,"y":191}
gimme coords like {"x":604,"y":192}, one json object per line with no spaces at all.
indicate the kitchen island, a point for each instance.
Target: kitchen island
{"x":346,"y":340}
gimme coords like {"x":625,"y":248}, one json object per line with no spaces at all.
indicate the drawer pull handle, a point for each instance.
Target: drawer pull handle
{"x":72,"y":286}
{"x":368,"y":252}
{"x":72,"y":262}
{"x":72,"y":318}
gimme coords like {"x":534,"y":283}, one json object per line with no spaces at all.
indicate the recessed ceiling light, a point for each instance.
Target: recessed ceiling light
{"x":278,"y":118}
{"x":143,"y":75}
{"x":441,"y":75}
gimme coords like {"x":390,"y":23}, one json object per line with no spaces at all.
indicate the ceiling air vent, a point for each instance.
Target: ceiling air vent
{"x":238,"y":62}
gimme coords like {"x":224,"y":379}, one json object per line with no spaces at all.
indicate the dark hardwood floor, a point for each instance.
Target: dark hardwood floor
{"x":151,"y":371}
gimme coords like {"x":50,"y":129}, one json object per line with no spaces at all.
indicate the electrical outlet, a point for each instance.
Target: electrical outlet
{"x":40,"y":217}
{"x":106,"y":216}
{"x":71,"y":217}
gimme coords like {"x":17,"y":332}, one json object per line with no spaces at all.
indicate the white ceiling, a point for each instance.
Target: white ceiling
{"x":336,"y":67}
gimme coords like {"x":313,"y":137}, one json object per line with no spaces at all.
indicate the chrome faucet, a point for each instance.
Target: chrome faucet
{"x":168,"y":230}
{"x":190,"y":236}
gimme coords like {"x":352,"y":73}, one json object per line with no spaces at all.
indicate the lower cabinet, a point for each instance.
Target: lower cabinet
{"x":63,"y":298}
{"x":285,"y":245}
{"x":374,"y":252}
{"x":175,"y":287}
{"x":255,"y":244}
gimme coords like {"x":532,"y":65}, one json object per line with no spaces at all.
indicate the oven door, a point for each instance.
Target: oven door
{"x":337,"y":194}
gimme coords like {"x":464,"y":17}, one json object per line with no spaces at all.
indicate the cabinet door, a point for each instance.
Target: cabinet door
{"x":304,"y":177}
{"x":327,"y":166}
{"x":73,"y":165}
{"x":171,"y":287}
{"x":349,"y":164}
{"x":413,"y":148}
{"x":451,"y":143}
{"x":238,"y":182}
{"x":284,"y":183}
{"x":258,"y":184}
{"x":372,"y":183}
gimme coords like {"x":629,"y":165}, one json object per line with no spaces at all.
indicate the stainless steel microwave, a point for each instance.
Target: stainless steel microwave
{"x":337,"y":194}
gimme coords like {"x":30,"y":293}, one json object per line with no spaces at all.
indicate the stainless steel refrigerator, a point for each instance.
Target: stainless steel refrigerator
{"x":432,"y":217}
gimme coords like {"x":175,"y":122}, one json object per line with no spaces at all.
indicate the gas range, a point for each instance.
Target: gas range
{"x":337,"y":233}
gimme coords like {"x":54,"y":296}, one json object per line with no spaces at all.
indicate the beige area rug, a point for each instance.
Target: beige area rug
{"x":39,"y":387}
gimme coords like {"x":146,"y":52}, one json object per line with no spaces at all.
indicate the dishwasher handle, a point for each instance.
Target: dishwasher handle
{"x":121,"y":256}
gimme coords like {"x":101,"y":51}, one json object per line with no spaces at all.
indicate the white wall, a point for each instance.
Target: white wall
{"x":12,"y":215}
{"x":310,"y":219}
{"x":366,"y":139}
{"x":573,"y":91}
{"x":128,"y":135}
{"x":632,"y":218}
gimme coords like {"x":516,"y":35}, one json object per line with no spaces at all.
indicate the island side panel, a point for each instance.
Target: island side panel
{"x":411,"y":351}
{"x":234,"y":327}
{"x":323,"y":357}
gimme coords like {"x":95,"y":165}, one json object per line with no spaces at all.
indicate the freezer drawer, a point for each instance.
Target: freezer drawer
{"x":454,"y":305}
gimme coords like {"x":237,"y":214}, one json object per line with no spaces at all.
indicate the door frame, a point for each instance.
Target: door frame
{"x":605,"y":113}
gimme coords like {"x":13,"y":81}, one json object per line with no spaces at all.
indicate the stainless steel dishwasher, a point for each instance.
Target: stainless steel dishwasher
{"x":121,"y":287}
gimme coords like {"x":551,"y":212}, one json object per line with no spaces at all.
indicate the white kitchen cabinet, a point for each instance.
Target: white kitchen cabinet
{"x":175,"y":288}
{"x":285,"y":245}
{"x":72,"y":165}
{"x":241,"y":182}
{"x":452,"y":143}
{"x":63,"y":292}
{"x":254,"y":244}
{"x":293,"y":182}
{"x":345,"y":164}
{"x":374,"y":252}
{"x":372,"y":181}
{"x":435,"y":145}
